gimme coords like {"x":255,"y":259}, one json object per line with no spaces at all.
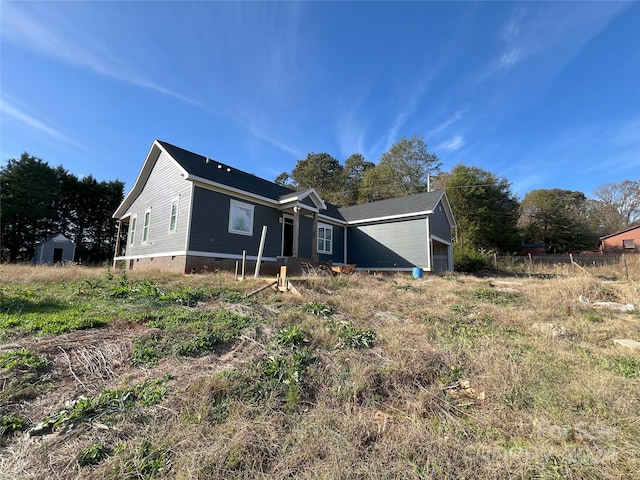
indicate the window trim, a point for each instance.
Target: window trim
{"x":133,"y":225}
{"x":173,"y":217}
{"x":248,"y":206}
{"x":326,"y":227}
{"x":146,"y":226}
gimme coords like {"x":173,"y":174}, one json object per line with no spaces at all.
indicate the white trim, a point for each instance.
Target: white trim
{"x":194,"y":253}
{"x":372,"y":269}
{"x":177,"y":200}
{"x":331,"y":220}
{"x":441,"y":240}
{"x":325,"y":227}
{"x":227,"y":188}
{"x":429,"y":246}
{"x":246,"y":206}
{"x":232,"y":256}
{"x":390,"y":217}
{"x":133,"y":219}
{"x":146,"y":227}
{"x":297,"y":204}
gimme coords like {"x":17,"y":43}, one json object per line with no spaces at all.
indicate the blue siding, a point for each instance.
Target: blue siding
{"x":210,"y":222}
{"x":392,"y":245}
{"x":439,"y":223}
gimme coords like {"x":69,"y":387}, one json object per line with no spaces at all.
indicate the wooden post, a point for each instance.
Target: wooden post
{"x":117,"y":251}
{"x":296,"y":230}
{"x":260,"y":250}
{"x":495,"y":260}
{"x":244,"y":262}
{"x":626,"y":270}
{"x":314,"y":238}
{"x":236,"y":277}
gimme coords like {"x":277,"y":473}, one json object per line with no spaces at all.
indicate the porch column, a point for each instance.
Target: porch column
{"x":116,"y":253}
{"x":314,"y":238}
{"x":296,"y":230}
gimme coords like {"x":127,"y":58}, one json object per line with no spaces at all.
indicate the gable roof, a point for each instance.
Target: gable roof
{"x":397,"y":208}
{"x":57,"y":237}
{"x":198,"y":168}
{"x":620,"y":232}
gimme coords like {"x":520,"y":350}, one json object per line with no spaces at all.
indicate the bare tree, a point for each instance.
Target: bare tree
{"x":618,"y":204}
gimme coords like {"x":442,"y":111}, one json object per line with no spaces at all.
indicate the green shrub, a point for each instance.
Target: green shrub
{"x":92,"y":455}
{"x":469,"y":260}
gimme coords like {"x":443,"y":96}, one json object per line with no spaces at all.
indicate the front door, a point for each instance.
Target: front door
{"x":57,"y":255}
{"x":287,"y":237}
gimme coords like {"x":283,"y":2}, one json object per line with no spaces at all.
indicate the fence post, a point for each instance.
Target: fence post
{"x":626,"y":270}
{"x":495,"y":260}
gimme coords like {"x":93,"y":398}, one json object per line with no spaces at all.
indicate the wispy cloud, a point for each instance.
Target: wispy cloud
{"x":451,"y":145}
{"x":557,"y":28}
{"x":52,"y":34}
{"x":14,"y":112}
{"x":408,"y":109}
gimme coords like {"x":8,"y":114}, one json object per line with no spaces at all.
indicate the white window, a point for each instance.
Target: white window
{"x":173,"y":219}
{"x":240,"y":218}
{"x":132,"y":229}
{"x":325,"y":239}
{"x":145,"y":227}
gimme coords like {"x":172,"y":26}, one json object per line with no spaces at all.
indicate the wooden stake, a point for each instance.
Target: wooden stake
{"x":244,"y":261}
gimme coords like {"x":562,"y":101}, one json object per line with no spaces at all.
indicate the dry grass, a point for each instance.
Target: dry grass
{"x":467,"y":378}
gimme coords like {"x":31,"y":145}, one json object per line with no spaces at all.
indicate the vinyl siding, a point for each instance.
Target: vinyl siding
{"x":400,"y":245}
{"x":210,"y":224}
{"x":439,"y":223}
{"x":164,"y":184}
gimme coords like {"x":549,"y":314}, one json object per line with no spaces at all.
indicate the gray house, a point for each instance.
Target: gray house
{"x":187,"y":213}
{"x":55,"y":249}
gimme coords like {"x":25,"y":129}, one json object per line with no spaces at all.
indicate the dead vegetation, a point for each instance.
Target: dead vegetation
{"x":360,"y":377}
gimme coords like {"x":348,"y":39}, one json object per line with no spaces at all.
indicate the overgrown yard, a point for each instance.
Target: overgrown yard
{"x":110,"y":375}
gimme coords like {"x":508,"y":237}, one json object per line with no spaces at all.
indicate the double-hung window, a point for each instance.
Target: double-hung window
{"x":145,"y":226}
{"x":173,"y":218}
{"x":240,"y":218}
{"x":132,"y":229}
{"x":325,"y":239}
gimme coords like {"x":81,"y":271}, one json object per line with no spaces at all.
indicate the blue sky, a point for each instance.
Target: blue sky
{"x":544,"y":94}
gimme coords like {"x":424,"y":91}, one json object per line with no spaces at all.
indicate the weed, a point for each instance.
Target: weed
{"x":496,"y":297}
{"x":144,"y":462}
{"x":22,"y":360}
{"x":188,"y":335}
{"x":92,"y":455}
{"x":627,"y":366}
{"x":354,"y":337}
{"x":318,"y":308}
{"x":593,"y":318}
{"x":108,"y":403}
{"x":10,"y":424}
{"x":292,"y":336}
{"x":402,"y":286}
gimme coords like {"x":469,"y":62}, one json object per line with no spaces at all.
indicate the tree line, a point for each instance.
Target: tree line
{"x":38,"y":201}
{"x":488,"y":214}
